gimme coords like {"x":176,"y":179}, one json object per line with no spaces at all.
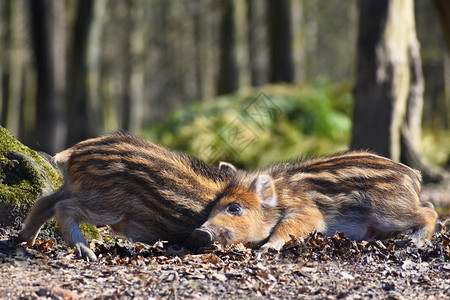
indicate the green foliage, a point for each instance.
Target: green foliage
{"x":436,"y":146}
{"x":257,"y":127}
{"x":24,"y":174}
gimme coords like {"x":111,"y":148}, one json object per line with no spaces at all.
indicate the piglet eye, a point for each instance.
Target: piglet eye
{"x":234,"y":209}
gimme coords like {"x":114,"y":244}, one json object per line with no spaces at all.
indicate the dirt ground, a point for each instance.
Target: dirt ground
{"x":315,"y":267}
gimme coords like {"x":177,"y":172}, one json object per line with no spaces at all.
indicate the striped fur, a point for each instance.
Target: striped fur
{"x":143,"y":191}
{"x":359,"y":193}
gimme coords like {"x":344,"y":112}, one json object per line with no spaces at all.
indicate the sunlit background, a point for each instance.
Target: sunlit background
{"x":184,"y":73}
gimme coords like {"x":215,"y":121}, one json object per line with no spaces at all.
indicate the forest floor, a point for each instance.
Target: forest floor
{"x":315,"y":267}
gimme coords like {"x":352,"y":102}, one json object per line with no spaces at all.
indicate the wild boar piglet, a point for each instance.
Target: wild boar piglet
{"x":142,"y":191}
{"x":364,"y":195}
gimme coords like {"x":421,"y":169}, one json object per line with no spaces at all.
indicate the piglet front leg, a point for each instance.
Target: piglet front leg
{"x":67,"y":215}
{"x":297,"y":224}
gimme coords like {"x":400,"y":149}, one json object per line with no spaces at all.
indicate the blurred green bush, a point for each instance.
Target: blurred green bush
{"x":257,"y":127}
{"x":274,"y":123}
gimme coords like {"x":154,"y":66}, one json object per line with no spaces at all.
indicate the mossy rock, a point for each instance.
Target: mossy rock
{"x":25,"y":175}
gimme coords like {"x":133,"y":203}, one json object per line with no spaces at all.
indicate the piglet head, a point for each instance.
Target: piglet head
{"x":245,"y":212}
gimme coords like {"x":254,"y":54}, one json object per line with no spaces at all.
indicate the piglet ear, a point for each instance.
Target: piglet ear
{"x":265,"y":189}
{"x":226,"y":166}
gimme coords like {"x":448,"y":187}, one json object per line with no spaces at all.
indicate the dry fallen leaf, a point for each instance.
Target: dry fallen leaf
{"x":46,"y":246}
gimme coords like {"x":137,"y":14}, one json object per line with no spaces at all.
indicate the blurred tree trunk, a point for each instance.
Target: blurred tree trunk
{"x":185,"y":66}
{"x":4,"y":51}
{"x":383,"y":75}
{"x":280,"y":40}
{"x":241,"y":35}
{"x":258,"y":51}
{"x":443,"y":9}
{"x":12,"y":65}
{"x":93,"y":65}
{"x":389,"y":86}
{"x":126,"y":77}
{"x":206,"y":27}
{"x":298,"y":40}
{"x":228,"y":80}
{"x":311,"y":30}
{"x":187,"y":51}
{"x":134,"y":74}
{"x":414,"y":108}
{"x":447,"y":89}
{"x":109,"y":66}
{"x":59,"y":44}
{"x":49,"y":127}
{"x":79,"y":123}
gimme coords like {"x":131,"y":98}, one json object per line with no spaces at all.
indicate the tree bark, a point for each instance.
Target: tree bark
{"x":414,"y":107}
{"x":126,"y":77}
{"x":241,"y":42}
{"x":93,"y":67}
{"x":389,"y":87}
{"x":14,"y":65}
{"x":298,"y":40}
{"x":79,"y":123}
{"x":280,"y":35}
{"x":258,"y":42}
{"x":447,"y":89}
{"x":228,"y":80}
{"x":4,"y":59}
{"x":206,"y":28}
{"x":134,"y":73}
{"x":49,"y":130}
{"x":443,"y":9}
{"x":383,"y":75}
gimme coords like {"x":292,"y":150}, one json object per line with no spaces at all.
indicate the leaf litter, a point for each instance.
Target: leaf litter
{"x":313,"y":267}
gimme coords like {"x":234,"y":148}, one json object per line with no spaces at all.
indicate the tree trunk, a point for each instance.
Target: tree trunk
{"x":4,"y":60}
{"x":280,"y":35}
{"x":447,"y":89}
{"x":389,"y":87}
{"x":13,"y":64}
{"x":443,"y":8}
{"x":49,"y":130}
{"x":93,"y":65}
{"x":228,"y":81}
{"x":298,"y":40}
{"x":79,"y":123}
{"x":206,"y":28}
{"x":126,"y":77}
{"x":241,"y":35}
{"x":258,"y":42}
{"x":134,"y":73}
{"x":312,"y":33}
{"x":414,"y":107}
{"x":383,"y":75}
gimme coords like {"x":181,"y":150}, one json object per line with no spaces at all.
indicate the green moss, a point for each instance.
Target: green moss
{"x":25,"y":175}
{"x":89,"y":231}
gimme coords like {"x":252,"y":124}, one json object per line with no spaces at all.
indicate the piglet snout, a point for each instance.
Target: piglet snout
{"x":201,"y":236}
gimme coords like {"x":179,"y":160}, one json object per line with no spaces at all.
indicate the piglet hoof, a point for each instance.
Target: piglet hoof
{"x":20,"y":240}
{"x":84,"y":251}
{"x":25,"y":237}
{"x":259,"y":255}
{"x":201,"y":237}
{"x":272,"y":246}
